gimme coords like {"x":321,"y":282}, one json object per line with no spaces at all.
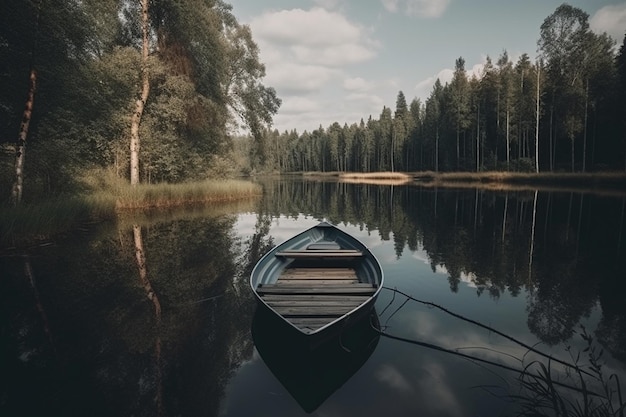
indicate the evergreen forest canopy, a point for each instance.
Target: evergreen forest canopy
{"x":150,"y":88}
{"x":577,"y":86}
{"x":155,"y":89}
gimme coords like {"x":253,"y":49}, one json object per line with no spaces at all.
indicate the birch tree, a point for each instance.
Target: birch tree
{"x":140,"y":103}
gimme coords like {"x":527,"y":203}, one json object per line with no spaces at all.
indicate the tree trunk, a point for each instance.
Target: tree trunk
{"x":478,"y":139}
{"x":572,"y":137}
{"x":393,"y":135}
{"x":141,"y":102}
{"x":552,"y":145}
{"x":437,"y":149}
{"x":585,"y":127}
{"x":458,"y":128}
{"x":537,"y":126}
{"x":508,"y":140}
{"x":20,"y":145}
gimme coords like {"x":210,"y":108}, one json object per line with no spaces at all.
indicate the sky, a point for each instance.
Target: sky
{"x":343,"y":60}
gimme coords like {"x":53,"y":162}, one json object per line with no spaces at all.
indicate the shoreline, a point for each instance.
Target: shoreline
{"x":615,"y":181}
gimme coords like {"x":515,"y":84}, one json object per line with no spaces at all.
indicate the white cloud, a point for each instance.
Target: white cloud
{"x":610,"y":19}
{"x":394,"y":378}
{"x":357,"y":84}
{"x":417,"y":8}
{"x":293,"y":78}
{"x":335,"y":55}
{"x":369,"y":103}
{"x":297,"y":105}
{"x":305,"y":52}
{"x":423,"y":88}
{"x":390,"y":5}
{"x":303,"y":49}
{"x":477,"y":70}
{"x":317,"y":28}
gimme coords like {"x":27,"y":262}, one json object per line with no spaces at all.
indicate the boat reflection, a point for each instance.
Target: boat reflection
{"x":313,"y":372}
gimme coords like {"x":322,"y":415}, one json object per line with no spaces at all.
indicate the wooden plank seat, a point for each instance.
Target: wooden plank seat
{"x":320,"y":253}
{"x":310,"y":298}
{"x":324,"y":245}
{"x":345,"y":289}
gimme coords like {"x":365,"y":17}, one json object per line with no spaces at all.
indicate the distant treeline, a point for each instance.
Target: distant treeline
{"x":564,"y":112}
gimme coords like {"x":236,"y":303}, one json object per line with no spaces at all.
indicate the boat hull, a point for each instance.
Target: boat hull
{"x":320,"y":279}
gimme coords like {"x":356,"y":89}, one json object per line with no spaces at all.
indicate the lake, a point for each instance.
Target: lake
{"x":495,"y":302}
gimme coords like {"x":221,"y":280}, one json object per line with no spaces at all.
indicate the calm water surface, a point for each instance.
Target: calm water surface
{"x":153,"y":315}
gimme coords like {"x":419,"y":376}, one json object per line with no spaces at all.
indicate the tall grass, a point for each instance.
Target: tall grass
{"x":105,"y":196}
{"x":585,"y":391}
{"x":170,"y":195}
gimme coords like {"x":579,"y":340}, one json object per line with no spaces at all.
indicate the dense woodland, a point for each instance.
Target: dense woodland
{"x":147,"y":88}
{"x":155,"y":90}
{"x":566,"y":110}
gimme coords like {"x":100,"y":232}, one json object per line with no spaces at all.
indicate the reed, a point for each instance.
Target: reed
{"x":105,"y":196}
{"x":172,"y":195}
{"x":586,"y":390}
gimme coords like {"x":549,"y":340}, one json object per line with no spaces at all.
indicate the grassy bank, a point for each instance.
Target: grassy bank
{"x":172,"y":195}
{"x":106,"y":199}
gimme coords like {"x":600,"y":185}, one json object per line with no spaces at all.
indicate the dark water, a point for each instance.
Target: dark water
{"x":153,"y":315}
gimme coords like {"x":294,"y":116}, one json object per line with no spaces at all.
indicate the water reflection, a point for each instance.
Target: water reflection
{"x":140,"y":257}
{"x":566,"y":249}
{"x":140,"y":317}
{"x":312,"y":374}
{"x":89,"y":328}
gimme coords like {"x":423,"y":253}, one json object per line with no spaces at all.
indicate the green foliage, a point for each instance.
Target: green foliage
{"x":87,"y":54}
{"x":206,"y":78}
{"x":223,"y":168}
{"x":489,"y":121}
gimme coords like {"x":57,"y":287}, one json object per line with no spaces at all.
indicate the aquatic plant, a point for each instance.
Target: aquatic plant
{"x":584,"y":391}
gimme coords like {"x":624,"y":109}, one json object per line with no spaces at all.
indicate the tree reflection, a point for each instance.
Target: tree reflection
{"x":149,"y":318}
{"x":140,"y":257}
{"x":559,"y":246}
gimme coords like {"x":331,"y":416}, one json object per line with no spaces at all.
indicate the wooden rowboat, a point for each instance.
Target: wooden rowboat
{"x":320,"y":279}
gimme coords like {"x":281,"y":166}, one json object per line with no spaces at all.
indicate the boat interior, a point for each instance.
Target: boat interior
{"x":318,"y":285}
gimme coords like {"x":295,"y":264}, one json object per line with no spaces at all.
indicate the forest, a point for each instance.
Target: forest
{"x":565,"y":112}
{"x":155,"y":91}
{"x":148,"y":89}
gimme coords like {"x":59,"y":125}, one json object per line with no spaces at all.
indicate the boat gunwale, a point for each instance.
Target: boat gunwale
{"x":368,"y":302}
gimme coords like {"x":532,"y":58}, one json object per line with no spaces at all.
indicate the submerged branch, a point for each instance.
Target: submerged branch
{"x":491,"y":329}
{"x":521,"y":372}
